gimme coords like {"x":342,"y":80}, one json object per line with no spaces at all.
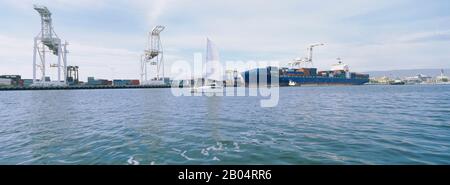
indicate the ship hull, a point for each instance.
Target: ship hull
{"x":320,"y":81}
{"x":256,"y":77}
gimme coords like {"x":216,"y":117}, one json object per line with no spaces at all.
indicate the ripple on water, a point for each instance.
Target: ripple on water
{"x":311,"y":125}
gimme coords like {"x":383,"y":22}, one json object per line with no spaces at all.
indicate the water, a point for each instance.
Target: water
{"x":311,"y":125}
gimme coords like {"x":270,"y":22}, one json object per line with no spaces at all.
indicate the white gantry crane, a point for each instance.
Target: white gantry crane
{"x":299,"y":62}
{"x":48,"y":39}
{"x":153,"y":59}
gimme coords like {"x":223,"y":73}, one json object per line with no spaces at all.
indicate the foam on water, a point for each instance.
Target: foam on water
{"x":205,"y":152}
{"x":132,"y":161}
{"x":236,"y":147}
{"x":185,"y":156}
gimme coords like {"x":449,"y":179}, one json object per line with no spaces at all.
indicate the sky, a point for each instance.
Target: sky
{"x":107,"y":37}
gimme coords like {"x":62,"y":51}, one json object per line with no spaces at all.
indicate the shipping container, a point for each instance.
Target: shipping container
{"x":27,"y":82}
{"x":5,"y":82}
{"x":135,"y":82}
{"x":125,"y":82}
{"x":92,"y":81}
{"x":15,"y":79}
{"x":313,"y":71}
{"x":308,"y":71}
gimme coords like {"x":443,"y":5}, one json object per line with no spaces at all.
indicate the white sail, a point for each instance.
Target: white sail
{"x":213,"y":69}
{"x":213,"y":73}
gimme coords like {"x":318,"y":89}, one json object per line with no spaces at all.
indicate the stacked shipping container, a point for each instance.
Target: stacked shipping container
{"x":125,"y":82}
{"x":95,"y":82}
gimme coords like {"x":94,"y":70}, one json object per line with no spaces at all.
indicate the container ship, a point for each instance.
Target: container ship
{"x":338,"y":75}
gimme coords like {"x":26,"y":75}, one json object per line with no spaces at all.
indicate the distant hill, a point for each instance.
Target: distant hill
{"x":408,"y":72}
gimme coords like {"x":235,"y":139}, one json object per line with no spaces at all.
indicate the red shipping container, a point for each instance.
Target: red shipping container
{"x":135,"y":82}
{"x":21,"y":83}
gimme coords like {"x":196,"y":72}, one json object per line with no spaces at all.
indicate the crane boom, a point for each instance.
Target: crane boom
{"x":306,"y":60}
{"x":310,"y":49}
{"x":47,"y":38}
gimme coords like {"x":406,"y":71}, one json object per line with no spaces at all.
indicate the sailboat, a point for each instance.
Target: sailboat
{"x":213,"y":77}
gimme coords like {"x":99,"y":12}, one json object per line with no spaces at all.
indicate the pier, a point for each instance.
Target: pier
{"x":83,"y":87}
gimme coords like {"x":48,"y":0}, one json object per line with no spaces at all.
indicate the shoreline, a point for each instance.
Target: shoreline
{"x":168,"y":86}
{"x":81,"y":87}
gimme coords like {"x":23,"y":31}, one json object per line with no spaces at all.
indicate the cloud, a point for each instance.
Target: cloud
{"x":108,"y":36}
{"x":435,"y":36}
{"x":156,"y":9}
{"x":25,"y":5}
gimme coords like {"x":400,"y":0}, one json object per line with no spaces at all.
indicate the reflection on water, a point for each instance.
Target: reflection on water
{"x":212,"y":116}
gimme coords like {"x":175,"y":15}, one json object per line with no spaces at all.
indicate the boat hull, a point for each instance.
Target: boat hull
{"x":256,"y":77}
{"x":320,"y":81}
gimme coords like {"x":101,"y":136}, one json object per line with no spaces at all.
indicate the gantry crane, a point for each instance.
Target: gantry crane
{"x":72,"y":75}
{"x":153,"y":58}
{"x":47,"y":38}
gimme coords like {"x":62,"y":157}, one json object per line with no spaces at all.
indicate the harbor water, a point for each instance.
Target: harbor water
{"x":311,"y":125}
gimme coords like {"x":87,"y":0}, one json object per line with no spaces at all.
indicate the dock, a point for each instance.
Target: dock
{"x":83,"y":87}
